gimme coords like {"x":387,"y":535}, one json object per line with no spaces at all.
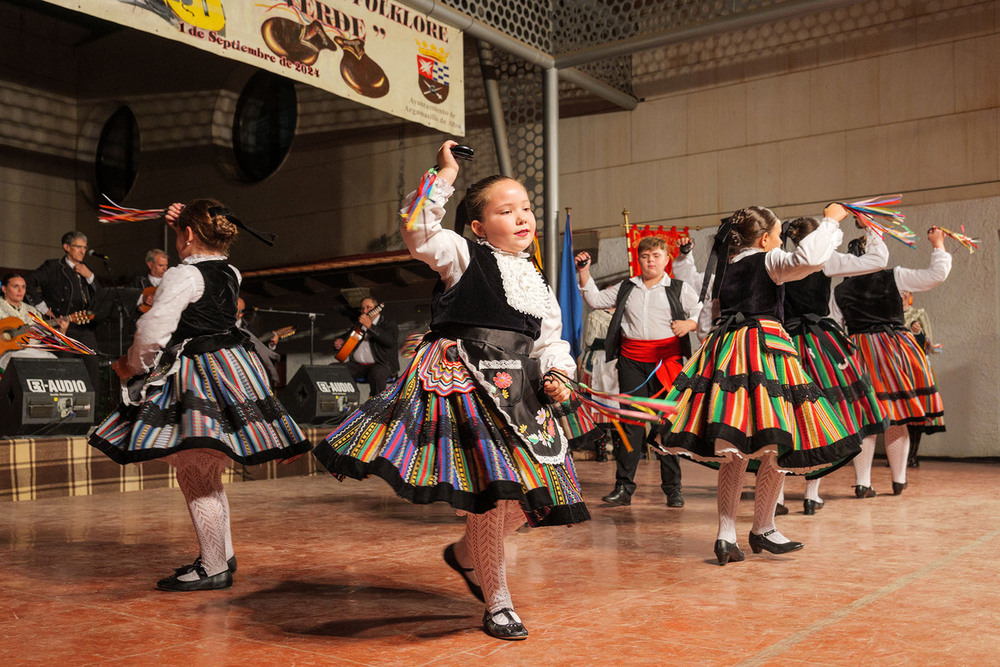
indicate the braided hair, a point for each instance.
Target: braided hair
{"x":799,"y":228}
{"x":209,"y":220}
{"x":749,"y":224}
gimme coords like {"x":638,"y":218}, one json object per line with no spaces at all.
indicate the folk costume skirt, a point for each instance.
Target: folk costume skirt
{"x":439,"y":435}
{"x":745,"y":394}
{"x":902,"y":378}
{"x":217,"y":400}
{"x":828,"y":358}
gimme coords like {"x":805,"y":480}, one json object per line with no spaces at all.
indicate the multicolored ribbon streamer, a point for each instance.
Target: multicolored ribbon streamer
{"x":423,"y":194}
{"x":967,"y":241}
{"x":112,"y":213}
{"x":638,"y":410}
{"x":46,"y":338}
{"x":870,"y":212}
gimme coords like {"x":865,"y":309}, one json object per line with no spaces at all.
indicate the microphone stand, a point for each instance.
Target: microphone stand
{"x":312,"y":323}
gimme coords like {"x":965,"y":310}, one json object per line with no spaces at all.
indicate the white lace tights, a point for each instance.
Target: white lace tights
{"x":199,"y":474}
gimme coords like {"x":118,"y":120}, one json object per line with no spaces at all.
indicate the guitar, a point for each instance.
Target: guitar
{"x":282,"y":333}
{"x":14,"y":332}
{"x":204,"y":14}
{"x":149,"y":291}
{"x":355,"y":336}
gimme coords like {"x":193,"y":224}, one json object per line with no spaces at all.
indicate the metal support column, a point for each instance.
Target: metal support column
{"x":550,"y":105}
{"x":495,"y":108}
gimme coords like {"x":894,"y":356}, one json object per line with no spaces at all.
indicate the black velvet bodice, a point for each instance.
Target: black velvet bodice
{"x":747,"y":289}
{"x":478,"y":300}
{"x":215,"y":311}
{"x":870,"y":302}
{"x":809,"y":296}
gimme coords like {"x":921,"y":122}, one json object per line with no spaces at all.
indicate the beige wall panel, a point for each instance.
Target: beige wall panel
{"x":778,"y":108}
{"x":867,"y":162}
{"x":958,"y":149}
{"x":657,"y":190}
{"x":716,"y":119}
{"x":702,"y":173}
{"x":812,"y":169}
{"x":604,"y":140}
{"x":748,"y":175}
{"x":843,"y":96}
{"x":659,"y":129}
{"x":977,"y":73}
{"x":597,"y":197}
{"x":917,"y":84}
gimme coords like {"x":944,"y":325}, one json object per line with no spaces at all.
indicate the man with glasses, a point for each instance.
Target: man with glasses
{"x":60,"y":287}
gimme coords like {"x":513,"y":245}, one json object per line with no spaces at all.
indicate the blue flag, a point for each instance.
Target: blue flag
{"x":570,"y":301}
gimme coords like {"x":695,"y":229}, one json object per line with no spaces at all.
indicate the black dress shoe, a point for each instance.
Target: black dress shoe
{"x":760,"y":543}
{"x":728,"y":551}
{"x":913,"y":463}
{"x":511,"y":631}
{"x":864,"y":492}
{"x":810,"y":506}
{"x":449,"y":558}
{"x":204,"y":582}
{"x":618,"y":497}
{"x":197,"y":563}
{"x":897,"y":488}
{"x":780,"y":509}
{"x":675,"y":498}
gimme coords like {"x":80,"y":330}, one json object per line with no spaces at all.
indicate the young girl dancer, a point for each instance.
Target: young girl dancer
{"x":465,"y":424}
{"x":824,"y":351}
{"x":744,"y":394}
{"x":872,"y":309}
{"x":203,"y":395}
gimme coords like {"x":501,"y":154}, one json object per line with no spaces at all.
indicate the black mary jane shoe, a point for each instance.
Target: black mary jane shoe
{"x":760,"y":543}
{"x":897,"y":488}
{"x":809,"y":506}
{"x":231,"y":563}
{"x":780,"y":509}
{"x":449,"y":558}
{"x":728,"y":551}
{"x":512,"y":631}
{"x":204,"y":582}
{"x":864,"y":492}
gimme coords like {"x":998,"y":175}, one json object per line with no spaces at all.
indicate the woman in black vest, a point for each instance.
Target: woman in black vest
{"x":871,"y":309}
{"x":744,"y":396}
{"x":196,"y":391}
{"x":470,"y":421}
{"x":825,"y":352}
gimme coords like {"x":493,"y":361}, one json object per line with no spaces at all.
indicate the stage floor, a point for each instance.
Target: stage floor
{"x":346,"y":573}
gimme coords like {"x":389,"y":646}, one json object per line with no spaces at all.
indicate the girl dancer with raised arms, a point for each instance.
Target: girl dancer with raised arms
{"x":200,"y":395}
{"x":871,"y":308}
{"x":744,"y":394}
{"x":826,"y":354}
{"x":466,"y":424}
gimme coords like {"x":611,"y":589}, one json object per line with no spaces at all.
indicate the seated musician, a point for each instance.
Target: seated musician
{"x":13,"y":307}
{"x":157,"y":262}
{"x":376,"y":357}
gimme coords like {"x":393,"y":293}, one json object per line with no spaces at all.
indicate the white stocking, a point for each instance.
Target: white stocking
{"x":863,"y":462}
{"x":769,"y":482}
{"x":781,"y":496}
{"x":897,"y":448}
{"x":513,"y":518}
{"x":484,"y":535}
{"x":730,"y":487}
{"x":199,"y":474}
{"x":812,"y":490}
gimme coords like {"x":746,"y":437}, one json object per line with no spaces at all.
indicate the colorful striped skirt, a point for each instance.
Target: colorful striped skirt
{"x":745,"y":394}
{"x":216,"y":400}
{"x":435,"y":435}
{"x":902,"y":378}
{"x":828,"y":359}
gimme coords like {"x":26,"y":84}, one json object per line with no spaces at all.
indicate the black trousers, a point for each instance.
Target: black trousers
{"x":376,"y":374}
{"x":631,"y":374}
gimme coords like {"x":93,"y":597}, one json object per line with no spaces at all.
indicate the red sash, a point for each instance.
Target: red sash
{"x":667,"y":350}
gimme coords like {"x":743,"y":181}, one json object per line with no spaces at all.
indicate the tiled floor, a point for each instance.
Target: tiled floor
{"x":346,"y":573}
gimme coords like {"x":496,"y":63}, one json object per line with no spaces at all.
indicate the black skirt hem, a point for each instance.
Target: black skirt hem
{"x":125,"y":457}
{"x":538,"y":502}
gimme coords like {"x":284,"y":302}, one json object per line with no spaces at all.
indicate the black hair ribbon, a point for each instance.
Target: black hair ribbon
{"x":718,"y":259}
{"x":266,"y":238}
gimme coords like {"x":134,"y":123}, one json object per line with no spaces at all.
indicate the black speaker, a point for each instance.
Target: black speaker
{"x":320,"y":393}
{"x":46,"y":396}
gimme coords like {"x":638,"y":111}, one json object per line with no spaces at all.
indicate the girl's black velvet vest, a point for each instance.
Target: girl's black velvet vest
{"x":870,"y":302}
{"x":215,"y":312}
{"x":747,"y":289}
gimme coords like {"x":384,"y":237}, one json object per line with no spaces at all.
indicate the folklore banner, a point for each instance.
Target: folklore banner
{"x":376,"y":52}
{"x":636,"y":233}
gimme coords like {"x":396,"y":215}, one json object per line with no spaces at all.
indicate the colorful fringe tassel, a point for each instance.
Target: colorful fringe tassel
{"x":44,"y":337}
{"x":870,"y":212}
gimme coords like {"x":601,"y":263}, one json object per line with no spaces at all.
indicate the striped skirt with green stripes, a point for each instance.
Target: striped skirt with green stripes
{"x":436,"y":436}
{"x":217,"y":400}
{"x":902,"y":378}
{"x":745,"y":394}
